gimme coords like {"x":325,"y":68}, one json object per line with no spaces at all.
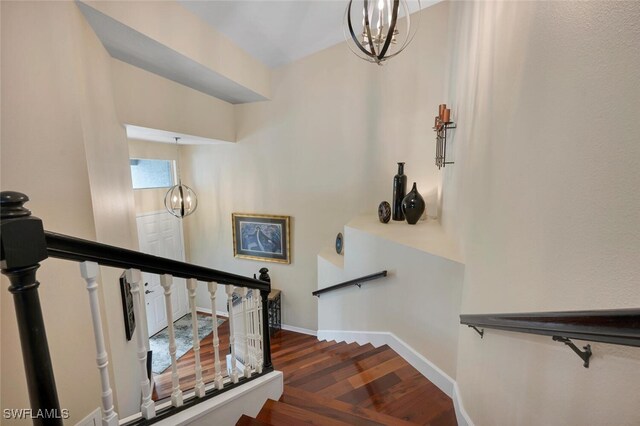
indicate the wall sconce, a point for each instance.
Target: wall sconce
{"x":442,"y":124}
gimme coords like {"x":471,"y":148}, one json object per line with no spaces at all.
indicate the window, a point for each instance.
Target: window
{"x":147,"y":174}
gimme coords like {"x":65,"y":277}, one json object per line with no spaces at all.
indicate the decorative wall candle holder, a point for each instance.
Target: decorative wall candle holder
{"x":442,"y":124}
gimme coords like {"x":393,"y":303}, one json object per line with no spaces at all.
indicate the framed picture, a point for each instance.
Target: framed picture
{"x":261,"y":237}
{"x":127,"y":306}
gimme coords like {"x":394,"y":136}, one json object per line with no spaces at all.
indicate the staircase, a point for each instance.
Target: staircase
{"x":329,"y":383}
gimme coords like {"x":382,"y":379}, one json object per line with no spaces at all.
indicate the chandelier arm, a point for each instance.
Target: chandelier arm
{"x":392,"y":27}
{"x":181,"y":200}
{"x":353,"y":35}
{"x":367,"y":26}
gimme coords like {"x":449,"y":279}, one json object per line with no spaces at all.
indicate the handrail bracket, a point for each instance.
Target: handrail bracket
{"x":584,"y":355}
{"x":480,"y":332}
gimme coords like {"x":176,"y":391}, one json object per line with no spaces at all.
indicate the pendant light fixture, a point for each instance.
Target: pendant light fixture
{"x":374,"y":31}
{"x":180,"y":200}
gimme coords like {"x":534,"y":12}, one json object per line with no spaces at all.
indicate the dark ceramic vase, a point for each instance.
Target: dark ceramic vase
{"x":413,"y":206}
{"x":399,"y":191}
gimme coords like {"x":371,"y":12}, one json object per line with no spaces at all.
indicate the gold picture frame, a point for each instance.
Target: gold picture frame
{"x":261,"y":237}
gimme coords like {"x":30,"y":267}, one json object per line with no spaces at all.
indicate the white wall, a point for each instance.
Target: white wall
{"x":544,"y":198}
{"x":418,"y":301}
{"x":322,"y":150}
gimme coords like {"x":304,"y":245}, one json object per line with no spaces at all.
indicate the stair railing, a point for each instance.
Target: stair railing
{"x":25,"y":243}
{"x":612,"y":326}
{"x":357,"y":282}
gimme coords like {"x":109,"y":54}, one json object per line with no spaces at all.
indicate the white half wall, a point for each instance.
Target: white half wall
{"x":227,"y":408}
{"x":418,"y":302}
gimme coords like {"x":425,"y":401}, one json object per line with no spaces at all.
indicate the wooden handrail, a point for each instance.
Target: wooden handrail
{"x":76,"y":249}
{"x":25,"y":244}
{"x":616,"y":326}
{"x":356,"y":281}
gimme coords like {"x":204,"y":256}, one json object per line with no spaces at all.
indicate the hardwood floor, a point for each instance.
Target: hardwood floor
{"x":329,"y":383}
{"x":186,"y":365}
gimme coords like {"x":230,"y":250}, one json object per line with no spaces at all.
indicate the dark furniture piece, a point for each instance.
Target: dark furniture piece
{"x":275,"y":310}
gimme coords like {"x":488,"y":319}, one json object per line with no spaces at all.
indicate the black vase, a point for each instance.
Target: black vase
{"x":413,"y":205}
{"x":399,"y":191}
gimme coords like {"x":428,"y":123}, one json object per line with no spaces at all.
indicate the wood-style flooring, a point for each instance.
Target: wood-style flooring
{"x":186,"y":365}
{"x":329,"y":383}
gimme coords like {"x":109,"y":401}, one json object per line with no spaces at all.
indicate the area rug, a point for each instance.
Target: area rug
{"x":159,"y":342}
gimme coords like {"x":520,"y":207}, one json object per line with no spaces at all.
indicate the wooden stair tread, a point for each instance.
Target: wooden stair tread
{"x":338,"y":409}
{"x":330,"y":383}
{"x":279,"y":413}
{"x":250,"y":421}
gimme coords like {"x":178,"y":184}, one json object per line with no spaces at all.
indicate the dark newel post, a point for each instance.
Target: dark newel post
{"x":266,"y":337}
{"x":23,"y":246}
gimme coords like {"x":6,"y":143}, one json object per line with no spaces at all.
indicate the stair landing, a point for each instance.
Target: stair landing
{"x":329,"y":383}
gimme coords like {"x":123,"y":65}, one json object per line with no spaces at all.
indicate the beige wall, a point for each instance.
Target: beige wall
{"x":147,"y":100}
{"x":62,"y":145}
{"x":544,"y":198}
{"x":322,"y":150}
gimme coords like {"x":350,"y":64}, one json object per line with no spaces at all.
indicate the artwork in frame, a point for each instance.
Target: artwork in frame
{"x":127,"y":307}
{"x":261,"y":237}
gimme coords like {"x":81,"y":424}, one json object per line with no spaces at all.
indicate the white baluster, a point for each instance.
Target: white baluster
{"x":260,"y":334}
{"x":176,"y":394}
{"x":245,"y":338}
{"x":217,"y":380}
{"x":252,"y":339}
{"x":258,"y":330}
{"x":89,"y":271}
{"x":147,"y":407}
{"x":234,"y":369}
{"x":192,"y":284}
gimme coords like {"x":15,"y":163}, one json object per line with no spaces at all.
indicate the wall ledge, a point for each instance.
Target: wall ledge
{"x":426,"y":235}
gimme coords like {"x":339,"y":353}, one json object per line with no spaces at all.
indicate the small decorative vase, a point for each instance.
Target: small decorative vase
{"x":399,"y":191}
{"x":384,"y":212}
{"x":413,"y":205}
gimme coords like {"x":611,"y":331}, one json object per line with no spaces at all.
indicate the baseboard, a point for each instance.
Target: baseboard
{"x":428,"y":369}
{"x":208,"y":312}
{"x":461,"y":414}
{"x":299,"y":330}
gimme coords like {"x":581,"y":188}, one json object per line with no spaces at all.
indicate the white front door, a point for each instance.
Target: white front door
{"x":160,"y":234}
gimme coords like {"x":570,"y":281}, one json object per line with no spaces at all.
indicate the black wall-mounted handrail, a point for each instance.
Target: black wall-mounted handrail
{"x":357,"y":281}
{"x":70,"y":248}
{"x":614,"y":326}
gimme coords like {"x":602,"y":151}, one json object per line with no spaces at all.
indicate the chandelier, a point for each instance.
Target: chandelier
{"x":374,"y":31}
{"x":180,"y":200}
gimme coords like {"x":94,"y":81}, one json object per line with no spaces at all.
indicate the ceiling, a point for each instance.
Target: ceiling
{"x":277,"y":32}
